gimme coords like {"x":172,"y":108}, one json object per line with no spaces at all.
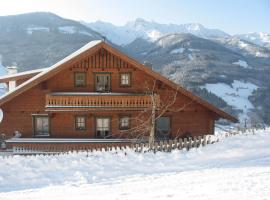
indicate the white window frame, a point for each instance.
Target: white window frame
{"x":125,"y":79}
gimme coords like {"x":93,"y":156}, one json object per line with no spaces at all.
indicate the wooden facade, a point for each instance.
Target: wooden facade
{"x":67,"y":105}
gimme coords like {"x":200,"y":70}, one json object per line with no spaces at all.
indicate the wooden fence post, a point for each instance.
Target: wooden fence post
{"x":195,"y":143}
{"x":155,"y":147}
{"x":199,"y":141}
{"x":141,"y":147}
{"x":185,"y":143}
{"x":208,"y":140}
{"x":170,"y":145}
{"x":165,"y":146}
{"x":190,"y":143}
{"x":174,"y":144}
{"x":180,"y":144}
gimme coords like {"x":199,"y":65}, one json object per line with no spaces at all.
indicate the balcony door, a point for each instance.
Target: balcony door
{"x":102,"y":82}
{"x":103,"y":127}
{"x":41,"y":125}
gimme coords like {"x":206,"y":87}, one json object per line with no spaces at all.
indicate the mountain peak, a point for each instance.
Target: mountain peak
{"x":194,"y":26}
{"x":152,"y":30}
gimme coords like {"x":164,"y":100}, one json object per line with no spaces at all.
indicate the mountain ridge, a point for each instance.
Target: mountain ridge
{"x":151,"y":30}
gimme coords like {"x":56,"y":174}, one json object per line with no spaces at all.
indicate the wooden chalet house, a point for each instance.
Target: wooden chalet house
{"x":99,"y":92}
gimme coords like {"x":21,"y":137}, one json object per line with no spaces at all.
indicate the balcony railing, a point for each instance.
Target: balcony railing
{"x":124,"y":101}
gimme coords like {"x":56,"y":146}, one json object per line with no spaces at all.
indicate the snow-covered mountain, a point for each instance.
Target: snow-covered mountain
{"x":244,"y":46}
{"x":150,"y":30}
{"x":259,"y":38}
{"x":36,"y":40}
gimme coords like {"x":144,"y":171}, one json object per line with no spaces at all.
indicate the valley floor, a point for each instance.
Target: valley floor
{"x":235,"y":168}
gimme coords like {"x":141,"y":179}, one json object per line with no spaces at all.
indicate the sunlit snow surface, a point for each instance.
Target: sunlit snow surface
{"x":177,"y":50}
{"x":236,"y":168}
{"x":242,"y":63}
{"x":67,"y":29}
{"x":32,"y":29}
{"x":235,"y":95}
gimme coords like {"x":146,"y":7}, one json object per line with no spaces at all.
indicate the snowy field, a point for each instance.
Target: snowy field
{"x":235,"y":95}
{"x":235,"y":168}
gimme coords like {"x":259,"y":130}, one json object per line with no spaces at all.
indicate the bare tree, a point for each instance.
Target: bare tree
{"x":146,"y":119}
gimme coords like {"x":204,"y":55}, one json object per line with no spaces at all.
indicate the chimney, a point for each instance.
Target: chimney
{"x":12,"y":83}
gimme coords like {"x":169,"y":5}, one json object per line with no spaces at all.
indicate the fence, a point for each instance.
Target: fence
{"x":162,"y":146}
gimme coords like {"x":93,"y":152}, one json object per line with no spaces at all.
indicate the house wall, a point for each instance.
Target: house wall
{"x":193,"y":119}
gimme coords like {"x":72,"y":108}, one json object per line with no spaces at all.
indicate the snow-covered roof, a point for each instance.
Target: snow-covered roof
{"x":20,"y":75}
{"x":27,"y":84}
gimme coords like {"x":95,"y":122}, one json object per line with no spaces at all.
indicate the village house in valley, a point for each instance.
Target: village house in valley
{"x":98,"y":92}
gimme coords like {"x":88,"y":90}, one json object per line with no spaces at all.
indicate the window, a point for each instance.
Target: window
{"x":103,"y":82}
{"x":80,"y":79}
{"x":163,"y":127}
{"x":41,"y":125}
{"x":102,"y":127}
{"x":80,"y":122}
{"x":124,"y":123}
{"x":125,"y":79}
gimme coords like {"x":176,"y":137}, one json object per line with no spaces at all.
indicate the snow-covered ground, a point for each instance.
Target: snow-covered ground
{"x":30,"y":30}
{"x":235,"y":168}
{"x":242,"y":63}
{"x":177,"y":50}
{"x":190,"y":57}
{"x":235,"y":95}
{"x":67,"y":29}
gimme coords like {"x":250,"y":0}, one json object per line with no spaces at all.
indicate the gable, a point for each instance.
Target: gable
{"x":102,"y":59}
{"x":100,"y":55}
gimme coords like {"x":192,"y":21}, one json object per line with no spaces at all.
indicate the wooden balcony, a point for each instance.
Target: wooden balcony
{"x":98,"y":101}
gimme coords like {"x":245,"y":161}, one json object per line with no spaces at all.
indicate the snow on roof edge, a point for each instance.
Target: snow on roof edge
{"x":23,"y":73}
{"x":54,"y":66}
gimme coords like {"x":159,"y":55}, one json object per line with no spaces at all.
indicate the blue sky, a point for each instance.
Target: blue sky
{"x":232,"y":16}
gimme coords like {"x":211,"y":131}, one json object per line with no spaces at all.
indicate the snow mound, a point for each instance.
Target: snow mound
{"x":27,"y":172}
